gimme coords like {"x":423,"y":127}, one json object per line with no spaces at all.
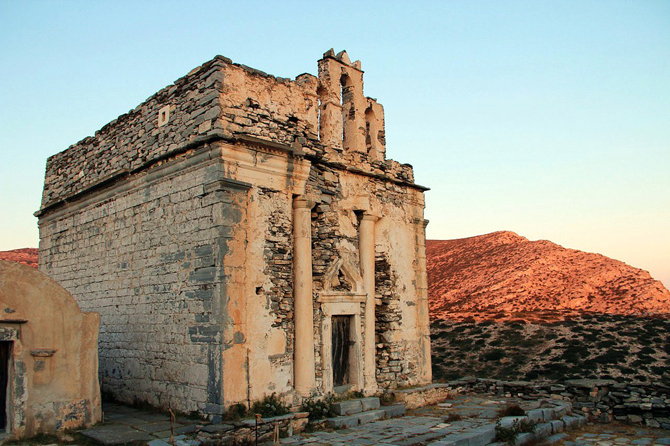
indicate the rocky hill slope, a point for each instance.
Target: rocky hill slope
{"x":27,"y":256}
{"x":504,"y":307}
{"x":505,"y":273}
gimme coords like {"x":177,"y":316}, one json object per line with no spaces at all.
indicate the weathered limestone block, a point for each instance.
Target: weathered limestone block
{"x":347,"y":407}
{"x":424,"y":396}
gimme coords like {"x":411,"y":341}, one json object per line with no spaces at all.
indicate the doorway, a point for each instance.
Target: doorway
{"x":5,"y":352}
{"x":341,"y":342}
{"x":341,"y":347}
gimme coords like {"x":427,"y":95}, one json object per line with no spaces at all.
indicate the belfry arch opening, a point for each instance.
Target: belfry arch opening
{"x":371,"y":133}
{"x":321,"y":101}
{"x":348,"y":110}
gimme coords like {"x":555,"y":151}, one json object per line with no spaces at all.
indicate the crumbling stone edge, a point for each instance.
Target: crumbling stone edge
{"x":248,"y":430}
{"x":550,"y":424}
{"x":598,"y":400}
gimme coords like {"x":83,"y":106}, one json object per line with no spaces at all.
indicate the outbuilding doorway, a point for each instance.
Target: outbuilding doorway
{"x":5,"y":351}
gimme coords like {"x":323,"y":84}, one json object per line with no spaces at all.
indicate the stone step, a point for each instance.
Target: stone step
{"x":547,"y":427}
{"x":477,"y":437}
{"x":369,"y":416}
{"x":358,"y":405}
{"x":396,"y":410}
{"x":343,"y":389}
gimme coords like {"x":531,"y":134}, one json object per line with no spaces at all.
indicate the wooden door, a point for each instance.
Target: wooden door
{"x":5,"y":351}
{"x":341,"y":343}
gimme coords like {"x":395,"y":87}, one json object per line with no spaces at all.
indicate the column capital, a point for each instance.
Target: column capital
{"x":369,"y":217}
{"x":421,"y":221}
{"x":302,"y":203}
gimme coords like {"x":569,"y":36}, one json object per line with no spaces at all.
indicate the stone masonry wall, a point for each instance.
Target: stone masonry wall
{"x":326,"y":239}
{"x":150,"y":262}
{"x":279,"y":268}
{"x":274,"y":109}
{"x":335,"y":234}
{"x":399,"y":351}
{"x":218,"y":100}
{"x":135,"y":138}
{"x":388,"y":318}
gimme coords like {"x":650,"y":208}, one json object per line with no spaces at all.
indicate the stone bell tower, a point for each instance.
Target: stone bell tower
{"x":349,"y":120}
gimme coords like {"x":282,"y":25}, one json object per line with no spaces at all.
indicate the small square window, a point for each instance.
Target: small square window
{"x":163,"y":116}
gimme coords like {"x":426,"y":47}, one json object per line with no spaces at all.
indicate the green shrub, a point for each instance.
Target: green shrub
{"x":437,"y":323}
{"x":647,"y":351}
{"x":611,"y":357}
{"x":644,"y":360}
{"x":532,"y":375}
{"x":386,"y":398}
{"x":509,"y":434}
{"x":269,"y":406}
{"x":494,"y":355}
{"x":607,"y":344}
{"x":453,"y":417}
{"x":529,"y":342}
{"x":462,"y":342}
{"x":235,"y":412}
{"x":511,"y":410}
{"x":659,"y":370}
{"x":350,"y":395}
{"x":318,"y":408}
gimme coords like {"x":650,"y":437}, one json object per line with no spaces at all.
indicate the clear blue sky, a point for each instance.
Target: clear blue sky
{"x":547,"y":118}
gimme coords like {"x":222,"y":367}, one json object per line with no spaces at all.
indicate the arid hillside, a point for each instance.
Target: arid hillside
{"x":504,"y":307}
{"x":503,"y":273}
{"x":27,"y":256}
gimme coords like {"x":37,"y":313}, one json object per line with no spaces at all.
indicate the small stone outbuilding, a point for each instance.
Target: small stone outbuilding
{"x":48,"y":356}
{"x":242,"y":234}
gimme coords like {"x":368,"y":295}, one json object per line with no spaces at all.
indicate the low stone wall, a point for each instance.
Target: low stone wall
{"x":423,"y":396}
{"x":599,"y":400}
{"x":247,"y":431}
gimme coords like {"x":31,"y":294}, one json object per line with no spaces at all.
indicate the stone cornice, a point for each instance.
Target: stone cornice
{"x":199,"y":143}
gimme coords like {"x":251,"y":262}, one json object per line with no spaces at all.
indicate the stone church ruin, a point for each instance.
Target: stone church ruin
{"x":242,"y":234}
